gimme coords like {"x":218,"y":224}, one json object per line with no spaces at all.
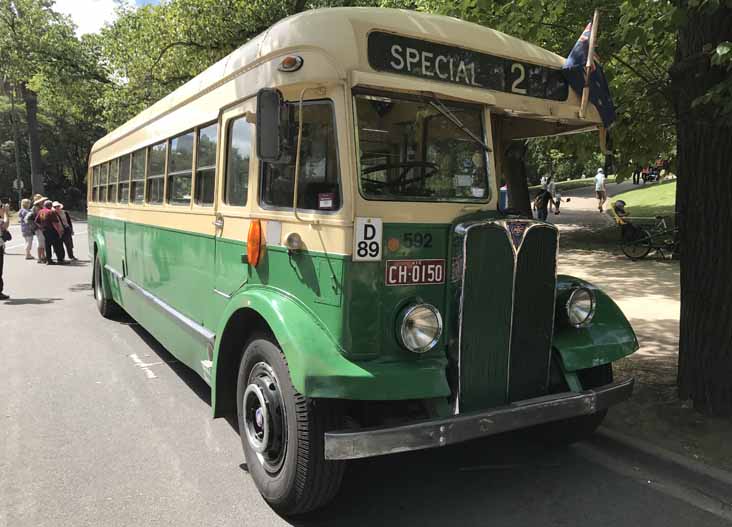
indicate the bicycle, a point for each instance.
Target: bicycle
{"x":637,"y":242}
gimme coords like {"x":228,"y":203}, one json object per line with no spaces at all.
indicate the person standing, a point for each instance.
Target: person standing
{"x":541,"y":204}
{"x":26,"y":227}
{"x":636,"y":175}
{"x":31,"y":218}
{"x":600,"y":189}
{"x":50,"y":223}
{"x":4,"y":226}
{"x":68,"y":226}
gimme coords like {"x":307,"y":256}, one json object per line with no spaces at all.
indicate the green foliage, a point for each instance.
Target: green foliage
{"x":99,"y":81}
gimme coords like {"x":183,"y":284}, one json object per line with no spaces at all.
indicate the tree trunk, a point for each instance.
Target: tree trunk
{"x":10,"y":92}
{"x":705,"y":218}
{"x":34,"y":142}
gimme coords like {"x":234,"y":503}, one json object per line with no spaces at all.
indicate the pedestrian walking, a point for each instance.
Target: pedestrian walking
{"x":37,"y":207}
{"x":636,"y":175}
{"x":600,"y":189}
{"x":50,"y":222}
{"x":541,"y":204}
{"x":68,"y":236}
{"x":26,"y":227}
{"x":4,"y":236}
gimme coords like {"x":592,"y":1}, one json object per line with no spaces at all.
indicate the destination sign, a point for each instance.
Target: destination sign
{"x":429,"y":60}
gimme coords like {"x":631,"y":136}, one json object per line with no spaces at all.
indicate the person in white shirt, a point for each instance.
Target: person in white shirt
{"x":600,"y":189}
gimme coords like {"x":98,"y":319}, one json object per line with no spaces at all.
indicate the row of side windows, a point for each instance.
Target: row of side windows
{"x":169,"y":172}
{"x":140,"y":177}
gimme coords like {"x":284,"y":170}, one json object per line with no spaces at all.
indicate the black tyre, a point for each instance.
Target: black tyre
{"x":637,"y":245}
{"x":579,"y":428}
{"x":107,"y":307}
{"x":282,"y":433}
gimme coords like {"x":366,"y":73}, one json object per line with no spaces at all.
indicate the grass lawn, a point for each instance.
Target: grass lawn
{"x":651,"y":200}
{"x":571,"y":184}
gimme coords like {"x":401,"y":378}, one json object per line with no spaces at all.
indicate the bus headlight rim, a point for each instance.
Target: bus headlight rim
{"x":420,"y":327}
{"x":581,"y":306}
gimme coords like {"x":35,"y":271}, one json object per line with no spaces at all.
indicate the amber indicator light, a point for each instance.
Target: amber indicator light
{"x":254,"y":242}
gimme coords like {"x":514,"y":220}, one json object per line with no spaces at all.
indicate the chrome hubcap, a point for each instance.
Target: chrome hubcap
{"x":264,"y":417}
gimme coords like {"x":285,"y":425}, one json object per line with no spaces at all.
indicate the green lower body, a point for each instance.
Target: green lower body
{"x":333,"y":318}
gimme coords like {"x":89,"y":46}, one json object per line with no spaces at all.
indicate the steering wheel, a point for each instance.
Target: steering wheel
{"x":407,"y":166}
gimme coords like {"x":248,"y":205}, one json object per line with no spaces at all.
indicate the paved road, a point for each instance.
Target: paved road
{"x":99,"y":426}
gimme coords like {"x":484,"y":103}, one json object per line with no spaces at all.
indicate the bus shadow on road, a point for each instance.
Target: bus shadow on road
{"x":508,"y":480}
{"x":187,"y":375}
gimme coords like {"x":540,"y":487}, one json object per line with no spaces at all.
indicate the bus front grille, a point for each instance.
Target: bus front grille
{"x":506,"y":312}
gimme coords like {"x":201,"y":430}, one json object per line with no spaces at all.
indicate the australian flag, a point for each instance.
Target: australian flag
{"x":574,"y":72}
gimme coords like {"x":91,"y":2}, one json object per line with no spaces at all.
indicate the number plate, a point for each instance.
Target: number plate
{"x":367,"y":239}
{"x":415,"y":272}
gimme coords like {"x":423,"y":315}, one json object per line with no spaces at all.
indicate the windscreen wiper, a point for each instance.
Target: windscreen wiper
{"x":444,"y":110}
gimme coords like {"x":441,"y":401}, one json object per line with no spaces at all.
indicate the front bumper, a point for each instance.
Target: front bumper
{"x":432,"y":433}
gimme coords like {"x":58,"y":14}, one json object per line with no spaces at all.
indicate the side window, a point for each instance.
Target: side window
{"x":113,"y":179}
{"x":103,"y":182}
{"x":180,"y":169}
{"x":156,"y":172}
{"x":95,"y":183}
{"x":238,"y":153}
{"x":319,"y":181}
{"x":123,"y":195}
{"x":137,"y":186}
{"x":206,"y":164}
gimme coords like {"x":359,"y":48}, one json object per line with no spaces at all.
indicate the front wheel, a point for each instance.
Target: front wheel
{"x":282,"y":433}
{"x":579,"y":428}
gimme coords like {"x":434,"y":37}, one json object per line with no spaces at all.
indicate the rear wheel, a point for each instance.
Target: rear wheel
{"x":636,"y":245}
{"x":282,"y":433}
{"x":579,"y":428}
{"x":107,"y":307}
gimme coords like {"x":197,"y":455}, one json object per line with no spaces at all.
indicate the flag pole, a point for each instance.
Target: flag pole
{"x":588,"y":66}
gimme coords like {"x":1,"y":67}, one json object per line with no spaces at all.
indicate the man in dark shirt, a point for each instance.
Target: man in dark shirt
{"x":49,"y":222}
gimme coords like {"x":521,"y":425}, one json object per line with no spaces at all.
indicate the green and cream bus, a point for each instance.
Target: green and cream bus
{"x":312,"y":225}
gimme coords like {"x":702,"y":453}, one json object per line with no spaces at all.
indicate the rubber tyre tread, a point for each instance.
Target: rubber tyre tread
{"x":107,"y":307}
{"x":574,"y":429}
{"x":628,"y":246}
{"x":316,"y":481}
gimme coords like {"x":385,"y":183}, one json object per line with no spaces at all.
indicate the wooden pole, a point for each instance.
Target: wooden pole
{"x":588,"y":66}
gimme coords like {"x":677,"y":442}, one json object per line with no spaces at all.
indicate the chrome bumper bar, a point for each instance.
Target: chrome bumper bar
{"x":432,"y":433}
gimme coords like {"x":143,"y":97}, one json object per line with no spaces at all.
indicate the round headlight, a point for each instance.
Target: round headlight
{"x":581,"y":307}
{"x":420,"y":328}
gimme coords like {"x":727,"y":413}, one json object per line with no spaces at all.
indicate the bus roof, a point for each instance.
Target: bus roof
{"x":340,"y":33}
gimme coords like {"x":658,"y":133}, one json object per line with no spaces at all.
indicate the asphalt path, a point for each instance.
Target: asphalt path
{"x":100,"y":426}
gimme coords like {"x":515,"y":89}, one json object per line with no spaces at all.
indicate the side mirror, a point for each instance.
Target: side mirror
{"x":269,"y":125}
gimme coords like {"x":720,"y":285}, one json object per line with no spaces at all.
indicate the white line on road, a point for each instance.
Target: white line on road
{"x":15,"y":246}
{"x":144,"y":366}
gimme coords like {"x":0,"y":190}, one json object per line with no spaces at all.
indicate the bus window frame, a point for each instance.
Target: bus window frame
{"x":163,"y":176}
{"x":113,"y":168}
{"x":129,"y":178}
{"x":487,"y":135}
{"x":132,"y":201}
{"x":168,"y":174}
{"x":195,"y":204}
{"x":330,"y":100}
{"x":225,"y":163}
{"x":103,"y":175}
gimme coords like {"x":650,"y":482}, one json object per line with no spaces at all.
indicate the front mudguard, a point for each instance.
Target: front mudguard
{"x":317,"y":363}
{"x":608,"y":338}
